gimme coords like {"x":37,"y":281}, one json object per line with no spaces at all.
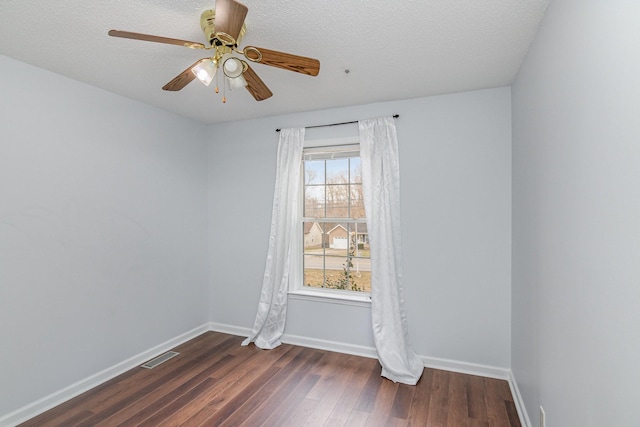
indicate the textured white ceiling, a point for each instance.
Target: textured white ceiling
{"x":393,"y":49}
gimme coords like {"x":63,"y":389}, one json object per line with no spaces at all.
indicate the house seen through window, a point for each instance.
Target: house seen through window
{"x":336,"y":254}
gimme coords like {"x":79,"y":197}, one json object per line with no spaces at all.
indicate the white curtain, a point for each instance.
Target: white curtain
{"x":272,"y":308}
{"x":381,"y":189}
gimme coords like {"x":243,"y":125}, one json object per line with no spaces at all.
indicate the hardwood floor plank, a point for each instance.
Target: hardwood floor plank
{"x":215,"y":381}
{"x":512,"y":413}
{"x":332,"y":367}
{"x":356,"y":382}
{"x":250,"y":397}
{"x":357,"y":418}
{"x":278,"y":410}
{"x":478,"y":423}
{"x":367,"y":398}
{"x":502,"y":388}
{"x":328,"y":364}
{"x":222,"y":375}
{"x":458,"y":415}
{"x":494,"y":399}
{"x":334,"y":386}
{"x":176,"y":405}
{"x":419,"y":409}
{"x":396,"y":422}
{"x":79,"y":418}
{"x":439,"y":401}
{"x":278,"y":388}
{"x":382,"y":406}
{"x":251,"y":363}
{"x":248,"y":393}
{"x":475,"y":399}
{"x":402,"y":402}
{"x":300,"y":414}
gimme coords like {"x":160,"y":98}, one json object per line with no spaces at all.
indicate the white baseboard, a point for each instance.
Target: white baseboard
{"x":229,"y":329}
{"x":319,"y":344}
{"x":517,"y":398}
{"x":33,"y":409}
{"x":466,"y":368}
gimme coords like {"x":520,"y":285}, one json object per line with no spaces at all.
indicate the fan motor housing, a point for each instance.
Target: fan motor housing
{"x":207,"y":23}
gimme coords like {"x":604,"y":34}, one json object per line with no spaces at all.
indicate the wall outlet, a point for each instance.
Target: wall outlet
{"x":542,"y":415}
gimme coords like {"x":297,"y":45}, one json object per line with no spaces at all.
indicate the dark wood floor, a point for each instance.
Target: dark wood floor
{"x":214,"y":381}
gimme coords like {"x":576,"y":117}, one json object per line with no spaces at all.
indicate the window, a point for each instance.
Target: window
{"x":334,"y":253}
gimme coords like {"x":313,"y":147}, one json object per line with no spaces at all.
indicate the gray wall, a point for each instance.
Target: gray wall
{"x":576,"y":216}
{"x":102,"y":208}
{"x":455,"y":157}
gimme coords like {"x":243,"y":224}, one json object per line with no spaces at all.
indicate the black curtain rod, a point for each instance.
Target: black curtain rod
{"x":395,"y":116}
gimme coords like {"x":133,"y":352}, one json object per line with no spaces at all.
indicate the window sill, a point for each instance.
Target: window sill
{"x":330,"y":297}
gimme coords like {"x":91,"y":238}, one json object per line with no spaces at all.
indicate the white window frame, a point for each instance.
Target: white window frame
{"x":297,"y":290}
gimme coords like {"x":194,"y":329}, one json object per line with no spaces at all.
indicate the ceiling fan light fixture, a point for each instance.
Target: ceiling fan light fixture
{"x":205,"y":70}
{"x":224,"y":27}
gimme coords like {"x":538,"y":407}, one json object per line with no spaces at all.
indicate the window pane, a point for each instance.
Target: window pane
{"x":343,"y":274}
{"x":337,"y":201}
{"x":337,"y":171}
{"x":360,"y":280}
{"x":357,"y":201}
{"x":314,"y":201}
{"x":314,"y":172}
{"x":356,"y":171}
{"x":337,"y":239}
{"x":358,"y":262}
{"x":313,"y":237}
{"x":362,"y":242}
{"x":314,"y":271}
{"x":336,"y":272}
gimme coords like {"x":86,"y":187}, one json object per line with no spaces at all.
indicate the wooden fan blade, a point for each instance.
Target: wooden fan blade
{"x":287,"y":61}
{"x":182,"y":79}
{"x":230,"y":16}
{"x":157,"y":39}
{"x":256,"y":86}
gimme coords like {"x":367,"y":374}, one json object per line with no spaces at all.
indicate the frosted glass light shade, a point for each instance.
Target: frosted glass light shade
{"x":237,"y":82}
{"x":231,"y":66}
{"x":205,"y":70}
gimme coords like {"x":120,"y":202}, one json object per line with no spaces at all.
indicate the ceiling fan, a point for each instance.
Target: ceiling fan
{"x":224,"y":28}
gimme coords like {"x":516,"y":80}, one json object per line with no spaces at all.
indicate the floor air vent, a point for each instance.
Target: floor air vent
{"x":160,"y":359}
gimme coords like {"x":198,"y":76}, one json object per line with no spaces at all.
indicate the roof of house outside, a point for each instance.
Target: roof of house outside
{"x":330,"y":226}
